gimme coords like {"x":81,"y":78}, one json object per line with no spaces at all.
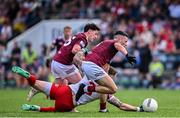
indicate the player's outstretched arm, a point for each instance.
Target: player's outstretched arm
{"x":120,"y":48}
{"x":131,"y":59}
{"x":122,"y":106}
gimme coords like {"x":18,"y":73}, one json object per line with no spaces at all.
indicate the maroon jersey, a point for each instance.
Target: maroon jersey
{"x":65,"y":55}
{"x":102,"y":53}
{"x":58,"y":43}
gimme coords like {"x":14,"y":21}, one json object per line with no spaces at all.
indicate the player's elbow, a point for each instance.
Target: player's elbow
{"x":75,"y":49}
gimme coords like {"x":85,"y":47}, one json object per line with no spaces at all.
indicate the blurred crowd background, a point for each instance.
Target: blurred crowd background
{"x":153,"y":27}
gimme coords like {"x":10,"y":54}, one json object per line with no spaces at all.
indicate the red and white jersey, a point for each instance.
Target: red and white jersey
{"x":102,"y":53}
{"x":65,"y":55}
{"x":87,"y":97}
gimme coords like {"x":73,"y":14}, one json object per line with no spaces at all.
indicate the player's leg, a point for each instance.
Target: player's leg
{"x":96,"y":73}
{"x":73,"y":76}
{"x":42,"y":86}
{"x":103,"y":99}
{"x":32,"y":92}
{"x":27,"y":107}
{"x":58,"y":73}
{"x":61,"y":81}
{"x":107,"y":85}
{"x":65,"y":73}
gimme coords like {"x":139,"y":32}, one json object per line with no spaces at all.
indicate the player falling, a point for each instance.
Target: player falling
{"x":64,"y":96}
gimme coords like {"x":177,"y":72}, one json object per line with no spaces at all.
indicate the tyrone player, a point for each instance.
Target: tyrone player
{"x":64,"y":96}
{"x":97,"y":59}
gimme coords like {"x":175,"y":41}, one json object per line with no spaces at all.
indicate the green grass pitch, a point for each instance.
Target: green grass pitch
{"x":168,"y":101}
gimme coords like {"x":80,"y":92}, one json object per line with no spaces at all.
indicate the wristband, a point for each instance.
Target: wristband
{"x":85,"y":51}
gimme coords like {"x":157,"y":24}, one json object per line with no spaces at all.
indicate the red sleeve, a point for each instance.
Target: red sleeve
{"x":47,"y":109}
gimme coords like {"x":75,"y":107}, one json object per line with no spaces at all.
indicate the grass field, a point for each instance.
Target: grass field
{"x":169,"y":104}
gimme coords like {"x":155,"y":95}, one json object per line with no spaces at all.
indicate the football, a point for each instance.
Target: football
{"x":150,"y":105}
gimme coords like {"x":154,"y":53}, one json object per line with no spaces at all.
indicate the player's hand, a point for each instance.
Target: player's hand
{"x":131,"y":59}
{"x":141,"y":109}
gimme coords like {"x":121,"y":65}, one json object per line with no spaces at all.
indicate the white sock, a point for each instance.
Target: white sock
{"x":103,"y":110}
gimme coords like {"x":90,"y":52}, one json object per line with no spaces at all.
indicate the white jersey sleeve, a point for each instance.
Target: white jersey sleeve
{"x":87,"y":97}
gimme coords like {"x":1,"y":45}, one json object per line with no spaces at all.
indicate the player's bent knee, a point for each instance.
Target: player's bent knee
{"x":114,"y":90}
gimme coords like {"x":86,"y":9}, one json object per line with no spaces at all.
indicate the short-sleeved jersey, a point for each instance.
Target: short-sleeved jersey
{"x":58,"y":43}
{"x":102,"y":53}
{"x":87,"y":97}
{"x":65,"y":55}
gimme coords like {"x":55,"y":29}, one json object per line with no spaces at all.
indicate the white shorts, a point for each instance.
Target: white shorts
{"x":93,"y":71}
{"x":62,"y":71}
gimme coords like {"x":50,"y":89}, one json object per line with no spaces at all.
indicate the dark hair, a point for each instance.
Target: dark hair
{"x":28,"y":44}
{"x":91,"y":26}
{"x":121,"y":33}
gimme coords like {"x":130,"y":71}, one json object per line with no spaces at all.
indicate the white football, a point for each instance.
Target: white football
{"x":150,"y":105}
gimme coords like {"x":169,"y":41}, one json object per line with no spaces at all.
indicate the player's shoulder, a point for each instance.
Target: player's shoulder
{"x":107,"y":42}
{"x":80,"y":36}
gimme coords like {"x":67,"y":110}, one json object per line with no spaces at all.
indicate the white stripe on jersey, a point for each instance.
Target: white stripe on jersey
{"x":87,"y":97}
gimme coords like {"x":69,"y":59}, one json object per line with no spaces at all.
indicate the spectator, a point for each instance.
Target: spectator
{"x":176,"y":85}
{"x":43,"y":73}
{"x":2,"y":76}
{"x":145,"y":59}
{"x":16,"y":54}
{"x":174,"y":10}
{"x":28,"y":54}
{"x":156,"y":69}
{"x":177,"y":42}
{"x":6,"y":32}
{"x":42,"y":56}
{"x":19,"y":22}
